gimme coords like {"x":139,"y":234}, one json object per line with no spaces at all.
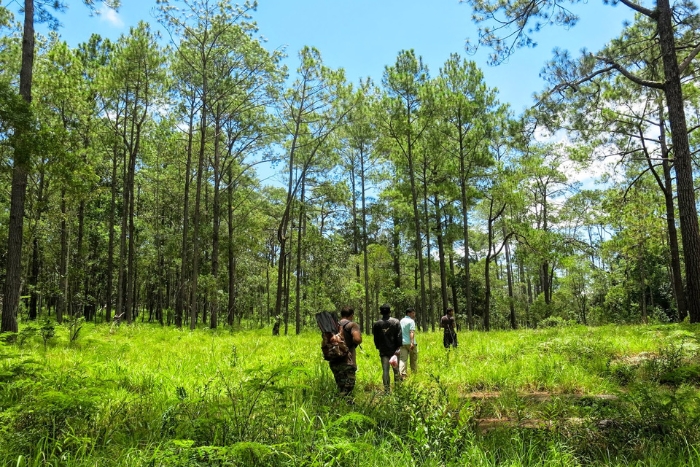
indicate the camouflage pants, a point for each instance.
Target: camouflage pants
{"x":344,"y":375}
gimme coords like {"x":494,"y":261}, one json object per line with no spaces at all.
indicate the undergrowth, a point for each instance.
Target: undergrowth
{"x":144,"y":395}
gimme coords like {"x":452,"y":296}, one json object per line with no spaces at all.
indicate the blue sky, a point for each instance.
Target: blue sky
{"x":363,"y":36}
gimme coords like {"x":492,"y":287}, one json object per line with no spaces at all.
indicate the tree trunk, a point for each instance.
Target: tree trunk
{"x":299,"y":269}
{"x":417,"y":244}
{"x":509,"y":274}
{"x":356,"y":238}
{"x":441,"y":254}
{"x":216,"y":214}
{"x":676,"y":277}
{"x":79,"y":257}
{"x":182,"y":296}
{"x":20,"y":172}
{"x":121,"y":280}
{"x":36,"y":264}
{"x":643,"y":288}
{"x":131,"y":252}
{"x":110,"y":246}
{"x":231,"y":255}
{"x":62,"y":307}
{"x":396,"y":250}
{"x":545,"y":283}
{"x":453,"y":283}
{"x":197,"y":213}
{"x":431,"y":307}
{"x":690,"y":233}
{"x":281,"y":273}
{"x":463,"y":178}
{"x":365,"y":256}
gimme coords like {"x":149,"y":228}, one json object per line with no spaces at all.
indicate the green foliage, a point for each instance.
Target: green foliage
{"x":75,"y":324}
{"x":183,"y":453}
{"x":555,"y":322}
{"x":47,"y":331}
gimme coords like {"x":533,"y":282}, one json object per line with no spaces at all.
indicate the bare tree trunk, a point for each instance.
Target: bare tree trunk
{"x":79,"y":257}
{"x":110,"y":246}
{"x":355,"y":237}
{"x":417,"y":243}
{"x":487,"y":263}
{"x":676,"y":277}
{"x":299,"y":269}
{"x":396,"y":250}
{"x":18,"y":193}
{"x":131,"y":260}
{"x":431,"y":306}
{"x":365,"y":257}
{"x":465,"y":233}
{"x":216,"y":214}
{"x":121,"y":279}
{"x":63,"y":262}
{"x":197,"y":213}
{"x":231,"y":254}
{"x":690,"y":233}
{"x":509,"y":273}
{"x":36,"y":264}
{"x":441,"y":254}
{"x":182,"y":289}
{"x":288,"y":286}
{"x":643,"y":289}
{"x":453,"y":283}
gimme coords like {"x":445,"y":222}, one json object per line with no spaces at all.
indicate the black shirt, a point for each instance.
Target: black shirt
{"x":387,"y":336}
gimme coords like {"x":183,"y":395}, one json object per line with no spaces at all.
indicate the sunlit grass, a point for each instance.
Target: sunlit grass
{"x":148,"y":395}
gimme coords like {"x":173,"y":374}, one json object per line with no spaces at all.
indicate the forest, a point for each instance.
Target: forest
{"x":170,"y":197}
{"x":192,"y":179}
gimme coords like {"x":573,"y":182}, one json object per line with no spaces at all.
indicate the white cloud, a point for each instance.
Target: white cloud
{"x":110,"y":16}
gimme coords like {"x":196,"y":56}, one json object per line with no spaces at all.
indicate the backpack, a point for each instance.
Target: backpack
{"x":333,"y":343}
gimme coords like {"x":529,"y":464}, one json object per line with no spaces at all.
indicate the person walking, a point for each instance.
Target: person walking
{"x":448,"y":324}
{"x":387,"y":340}
{"x":409,"y":348}
{"x":344,"y":369}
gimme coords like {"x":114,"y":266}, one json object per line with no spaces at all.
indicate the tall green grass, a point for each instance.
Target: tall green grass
{"x":153,"y":396}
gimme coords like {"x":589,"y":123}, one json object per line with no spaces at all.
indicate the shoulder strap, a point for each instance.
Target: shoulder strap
{"x":348,"y":335}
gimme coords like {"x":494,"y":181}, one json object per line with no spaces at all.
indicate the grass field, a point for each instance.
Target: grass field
{"x":144,"y":395}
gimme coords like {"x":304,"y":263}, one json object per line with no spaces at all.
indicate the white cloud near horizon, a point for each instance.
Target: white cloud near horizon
{"x":108,"y":15}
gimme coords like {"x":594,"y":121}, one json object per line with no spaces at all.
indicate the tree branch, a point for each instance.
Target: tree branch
{"x":634,"y":182}
{"x":647,"y":156}
{"x":626,"y":73}
{"x":645,"y":11}
{"x":688,"y":59}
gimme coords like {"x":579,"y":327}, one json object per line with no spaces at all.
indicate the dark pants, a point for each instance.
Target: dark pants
{"x":386,"y":377}
{"x":344,"y":375}
{"x":449,"y":339}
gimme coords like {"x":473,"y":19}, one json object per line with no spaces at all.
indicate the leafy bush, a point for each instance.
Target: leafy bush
{"x":183,"y":453}
{"x":47,"y":331}
{"x":75,"y":324}
{"x":47,"y":419}
{"x":555,"y":322}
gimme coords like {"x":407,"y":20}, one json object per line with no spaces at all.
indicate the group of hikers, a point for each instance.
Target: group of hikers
{"x":394,"y":339}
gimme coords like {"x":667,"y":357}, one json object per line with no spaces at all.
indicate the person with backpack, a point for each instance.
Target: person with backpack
{"x":447,"y":322}
{"x":344,"y":368}
{"x":409,"y":348}
{"x":387,"y":340}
